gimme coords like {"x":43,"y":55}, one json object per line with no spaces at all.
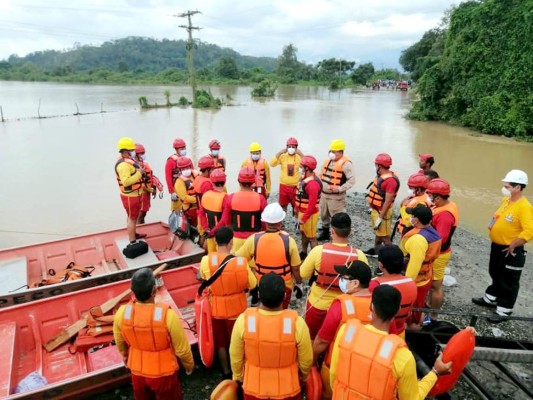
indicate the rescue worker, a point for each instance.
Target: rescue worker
{"x":392,"y":372}
{"x":421,"y":246}
{"x":227,"y":293}
{"x":172,"y":169}
{"x":150,"y":182}
{"x":274,"y":251}
{"x":353,"y":303}
{"x":145,"y":330}
{"x":212,"y":206}
{"x":383,"y":191}
{"x":319,"y":266}
{"x":270,"y":347}
{"x":288,"y":159}
{"x":445,"y":221}
{"x":214,"y":153}
{"x":337,"y":178}
{"x":391,"y":263}
{"x":425,"y":162}
{"x":510,"y":229}
{"x":261,"y":169}
{"x":416,"y":194}
{"x":242,"y":209}
{"x":184,"y":189}
{"x":202,"y":183}
{"x":307,"y":203}
{"x":129,"y":177}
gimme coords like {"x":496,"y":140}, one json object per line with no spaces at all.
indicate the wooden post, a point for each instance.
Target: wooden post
{"x":2,"y":114}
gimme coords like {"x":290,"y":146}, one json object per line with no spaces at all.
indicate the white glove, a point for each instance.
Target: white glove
{"x":377,"y":223}
{"x":174,"y":197}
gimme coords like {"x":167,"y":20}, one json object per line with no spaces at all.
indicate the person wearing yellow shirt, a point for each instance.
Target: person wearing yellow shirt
{"x":261,"y":169}
{"x":145,"y":330}
{"x":270,"y":347}
{"x":184,"y":190}
{"x":319,"y":266}
{"x":509,"y":230}
{"x":356,"y":342}
{"x":289,"y":160}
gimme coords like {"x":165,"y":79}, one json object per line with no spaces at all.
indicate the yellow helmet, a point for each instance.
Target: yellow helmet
{"x":337,"y":145}
{"x":125,"y":143}
{"x":255,"y":147}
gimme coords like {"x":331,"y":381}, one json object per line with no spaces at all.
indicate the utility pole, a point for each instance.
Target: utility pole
{"x":190,"y":47}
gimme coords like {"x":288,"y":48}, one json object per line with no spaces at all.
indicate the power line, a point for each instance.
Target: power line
{"x":190,"y":47}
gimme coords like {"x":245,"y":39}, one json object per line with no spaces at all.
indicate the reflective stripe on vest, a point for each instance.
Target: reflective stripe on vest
{"x":246,"y":211}
{"x":376,"y":195}
{"x":212,"y":202}
{"x":302,"y":198}
{"x":408,"y":291}
{"x":451,"y":207}
{"x":270,"y":348}
{"x":333,"y":255}
{"x":332,"y":172}
{"x":434,"y":242}
{"x":134,"y":187}
{"x":271,"y":254}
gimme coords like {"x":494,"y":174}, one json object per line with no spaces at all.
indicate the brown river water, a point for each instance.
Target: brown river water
{"x":57,"y":173}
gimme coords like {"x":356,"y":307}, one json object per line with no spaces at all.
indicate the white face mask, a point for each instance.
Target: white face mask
{"x":142,"y":157}
{"x":183,"y":153}
{"x":291,"y":150}
{"x":186,"y":172}
{"x":410,"y":192}
{"x":214,"y":153}
{"x":506,"y":192}
{"x":411,"y":221}
{"x":343,"y":285}
{"x":331,"y":155}
{"x":255,"y":157}
{"x":301,"y":171}
{"x":133,"y":154}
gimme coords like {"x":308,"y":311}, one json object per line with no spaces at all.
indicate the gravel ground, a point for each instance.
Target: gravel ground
{"x":469,"y":266}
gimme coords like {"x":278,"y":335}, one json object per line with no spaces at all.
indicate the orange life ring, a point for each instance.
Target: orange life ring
{"x":225,"y":390}
{"x":313,"y":385}
{"x":204,"y":330}
{"x":459,"y":350}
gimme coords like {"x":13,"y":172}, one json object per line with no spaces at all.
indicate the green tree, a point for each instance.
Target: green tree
{"x":288,"y":65}
{"x":362,"y":74}
{"x":227,"y":68}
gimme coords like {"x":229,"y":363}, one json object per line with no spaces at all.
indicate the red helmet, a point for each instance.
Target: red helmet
{"x":439,"y":186}
{"x":206,"y":162}
{"x":184,"y":162}
{"x":418,"y":180}
{"x":179,"y":144}
{"x":139,"y":148}
{"x":214,"y":144}
{"x":292,"y":141}
{"x":384,"y":160}
{"x":246,"y":175}
{"x":309,"y":162}
{"x":218,"y":175}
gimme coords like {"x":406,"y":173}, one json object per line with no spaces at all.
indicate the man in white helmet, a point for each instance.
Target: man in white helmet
{"x":510,"y":228}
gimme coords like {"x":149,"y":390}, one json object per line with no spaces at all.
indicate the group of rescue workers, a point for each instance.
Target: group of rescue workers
{"x":353,"y":326}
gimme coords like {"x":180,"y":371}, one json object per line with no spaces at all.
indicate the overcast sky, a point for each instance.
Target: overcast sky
{"x":361,"y":30}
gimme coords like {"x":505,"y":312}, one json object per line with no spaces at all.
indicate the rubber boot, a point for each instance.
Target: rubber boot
{"x":324,"y":234}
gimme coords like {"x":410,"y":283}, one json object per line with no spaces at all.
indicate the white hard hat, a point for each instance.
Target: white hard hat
{"x":516,"y":176}
{"x":273,"y":214}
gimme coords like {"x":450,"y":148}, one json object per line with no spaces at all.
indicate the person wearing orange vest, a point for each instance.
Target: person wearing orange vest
{"x":318,"y":267}
{"x":184,"y":190}
{"x":353,"y":303}
{"x":270,"y":347}
{"x":307,"y":203}
{"x":150,"y":187}
{"x":421,"y":245}
{"x":227,"y":293}
{"x":274,"y":251}
{"x":242,"y":209}
{"x":151,"y":339}
{"x":212,"y":206}
{"x":426,"y":162}
{"x":288,"y":159}
{"x":386,"y":369}
{"x":202,"y":183}
{"x":416,"y":194}
{"x":214,"y":153}
{"x":129,"y":177}
{"x":445,"y":221}
{"x":337,"y":178}
{"x":171,"y":168}
{"x":391,"y":265}
{"x":380,"y":197}
{"x":261,"y":169}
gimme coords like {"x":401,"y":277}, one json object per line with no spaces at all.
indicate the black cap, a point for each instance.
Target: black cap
{"x":357,"y":270}
{"x":392,"y":258}
{"x":422,"y":212}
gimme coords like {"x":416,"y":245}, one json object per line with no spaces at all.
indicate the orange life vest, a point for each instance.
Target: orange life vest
{"x":137,"y":186}
{"x":422,"y":199}
{"x":260,"y":174}
{"x":270,"y":351}
{"x":148,"y":176}
{"x":212,"y":202}
{"x":144,"y":329}
{"x":376,"y":195}
{"x":434,"y":242}
{"x":451,"y":207}
{"x":189,"y":185}
{"x":371,"y":354}
{"x":220,"y":161}
{"x":332,"y":173}
{"x":333,"y":255}
{"x":408,"y":291}
{"x":228,"y":299}
{"x":175,"y":169}
{"x":246,"y":211}
{"x":271,"y":254}
{"x":302,"y":198}
{"x":197,"y":185}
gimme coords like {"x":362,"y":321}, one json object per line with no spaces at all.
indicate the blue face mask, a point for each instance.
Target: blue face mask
{"x":343,"y":285}
{"x":256,"y":157}
{"x":183,"y":153}
{"x":215,"y":153}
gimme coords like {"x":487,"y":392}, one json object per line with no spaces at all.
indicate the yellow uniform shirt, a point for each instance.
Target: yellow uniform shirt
{"x":512,"y":221}
{"x":267,"y":173}
{"x":403,"y":369}
{"x":181,"y":191}
{"x":416,"y":246}
{"x":181,"y":346}
{"x":319,"y":297}
{"x":285,"y":160}
{"x":205,"y":272}
{"x":125,"y":171}
{"x":236,"y":348}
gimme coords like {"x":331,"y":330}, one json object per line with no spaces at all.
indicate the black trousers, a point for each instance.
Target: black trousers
{"x":505,"y":272}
